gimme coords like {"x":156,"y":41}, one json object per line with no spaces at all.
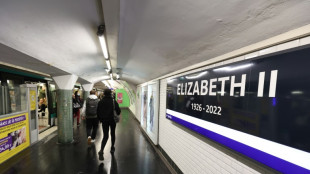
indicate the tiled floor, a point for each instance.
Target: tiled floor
{"x":133,"y":154}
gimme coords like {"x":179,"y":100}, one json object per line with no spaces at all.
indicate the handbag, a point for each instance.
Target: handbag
{"x":76,"y":105}
{"x":115,"y":115}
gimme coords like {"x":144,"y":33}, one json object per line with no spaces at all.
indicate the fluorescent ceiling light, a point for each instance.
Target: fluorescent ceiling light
{"x":48,"y":79}
{"x":106,"y":84}
{"x":108,"y":64}
{"x":107,"y":70}
{"x":171,"y":80}
{"x":105,"y":78}
{"x":196,"y":76}
{"x":228,"y":68}
{"x":104,"y":46}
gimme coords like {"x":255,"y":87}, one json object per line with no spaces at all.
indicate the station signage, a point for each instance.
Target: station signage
{"x":263,"y":100}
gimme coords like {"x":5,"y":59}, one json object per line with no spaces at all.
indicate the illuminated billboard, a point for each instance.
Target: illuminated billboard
{"x":259,"y":107}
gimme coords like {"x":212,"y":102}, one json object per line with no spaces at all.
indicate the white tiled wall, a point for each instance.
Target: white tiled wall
{"x":132,"y":108}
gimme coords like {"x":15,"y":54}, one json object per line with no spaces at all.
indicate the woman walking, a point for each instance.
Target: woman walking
{"x":105,"y":113}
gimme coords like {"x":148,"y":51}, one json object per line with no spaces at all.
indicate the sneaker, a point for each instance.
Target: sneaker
{"x":100,"y":153}
{"x":78,"y":125}
{"x":93,"y":140}
{"x":89,"y":140}
{"x":112,"y":149}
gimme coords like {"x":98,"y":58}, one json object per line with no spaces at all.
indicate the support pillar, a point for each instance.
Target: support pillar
{"x":64,"y":86}
{"x":87,"y":88}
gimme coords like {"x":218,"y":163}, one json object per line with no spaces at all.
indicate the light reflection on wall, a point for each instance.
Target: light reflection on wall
{"x":274,"y":101}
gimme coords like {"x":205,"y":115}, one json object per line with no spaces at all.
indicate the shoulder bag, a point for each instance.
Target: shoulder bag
{"x":115,"y":115}
{"x":76,"y":105}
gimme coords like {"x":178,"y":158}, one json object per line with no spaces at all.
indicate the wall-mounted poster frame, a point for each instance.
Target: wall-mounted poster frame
{"x":258,"y":107}
{"x":14,"y":135}
{"x":144,"y":99}
{"x":149,"y":109}
{"x":152,"y":116}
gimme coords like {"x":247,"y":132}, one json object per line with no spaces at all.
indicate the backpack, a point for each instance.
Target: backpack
{"x":91,"y":107}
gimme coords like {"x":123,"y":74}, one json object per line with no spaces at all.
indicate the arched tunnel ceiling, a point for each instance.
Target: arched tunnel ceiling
{"x":158,"y":37}
{"x":61,"y":34}
{"x":146,"y":39}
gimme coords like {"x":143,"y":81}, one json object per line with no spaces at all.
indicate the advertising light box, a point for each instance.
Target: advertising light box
{"x":144,"y":105}
{"x":258,"y":107}
{"x":149,"y":109}
{"x":14,"y":135}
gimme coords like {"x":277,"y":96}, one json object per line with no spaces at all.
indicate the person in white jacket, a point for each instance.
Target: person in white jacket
{"x":89,"y":112}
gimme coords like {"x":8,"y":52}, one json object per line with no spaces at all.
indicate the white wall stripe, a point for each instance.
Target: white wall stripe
{"x":298,"y":157}
{"x":273,"y":83}
{"x":261,"y":84}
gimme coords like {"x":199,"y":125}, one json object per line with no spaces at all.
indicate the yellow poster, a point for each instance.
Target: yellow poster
{"x":32,"y":97}
{"x":14,"y":135}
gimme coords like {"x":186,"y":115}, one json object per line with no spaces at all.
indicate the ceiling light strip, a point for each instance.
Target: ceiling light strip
{"x":108,"y":64}
{"x":104,"y":46}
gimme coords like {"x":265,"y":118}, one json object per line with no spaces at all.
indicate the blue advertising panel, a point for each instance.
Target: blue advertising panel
{"x":259,"y":107}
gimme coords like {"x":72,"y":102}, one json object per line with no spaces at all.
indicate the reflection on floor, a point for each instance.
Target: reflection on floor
{"x":133,"y":154}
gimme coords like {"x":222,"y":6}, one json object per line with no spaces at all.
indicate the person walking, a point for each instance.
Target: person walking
{"x":76,"y":107}
{"x":105,"y":112}
{"x":89,"y":112}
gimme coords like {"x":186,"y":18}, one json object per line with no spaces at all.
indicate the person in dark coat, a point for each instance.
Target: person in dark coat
{"x":105,"y":113}
{"x":77,"y":104}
